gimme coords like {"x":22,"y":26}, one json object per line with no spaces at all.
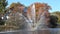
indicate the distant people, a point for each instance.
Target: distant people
{"x":53,"y":21}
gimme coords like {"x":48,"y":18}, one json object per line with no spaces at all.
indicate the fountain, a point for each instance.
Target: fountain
{"x":34,"y":24}
{"x":18,"y":23}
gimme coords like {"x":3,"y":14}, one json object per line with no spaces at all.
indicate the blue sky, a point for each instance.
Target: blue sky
{"x":55,"y":4}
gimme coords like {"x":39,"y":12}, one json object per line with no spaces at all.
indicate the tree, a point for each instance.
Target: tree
{"x":39,"y":8}
{"x":57,"y":13}
{"x":14,"y":6}
{"x":53,"y":21}
{"x":16,"y":21}
{"x":3,"y":4}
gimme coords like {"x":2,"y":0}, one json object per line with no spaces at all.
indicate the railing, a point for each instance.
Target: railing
{"x":50,"y":31}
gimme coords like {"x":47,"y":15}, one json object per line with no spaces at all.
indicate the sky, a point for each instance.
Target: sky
{"x":55,"y":4}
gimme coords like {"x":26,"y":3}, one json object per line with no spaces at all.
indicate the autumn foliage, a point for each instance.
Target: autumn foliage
{"x":39,"y":8}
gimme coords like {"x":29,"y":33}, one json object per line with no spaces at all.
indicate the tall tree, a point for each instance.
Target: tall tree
{"x":3,"y":4}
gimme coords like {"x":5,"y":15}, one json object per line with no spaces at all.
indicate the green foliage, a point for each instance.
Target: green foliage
{"x":3,"y":4}
{"x":53,"y":21}
{"x":57,"y":13}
